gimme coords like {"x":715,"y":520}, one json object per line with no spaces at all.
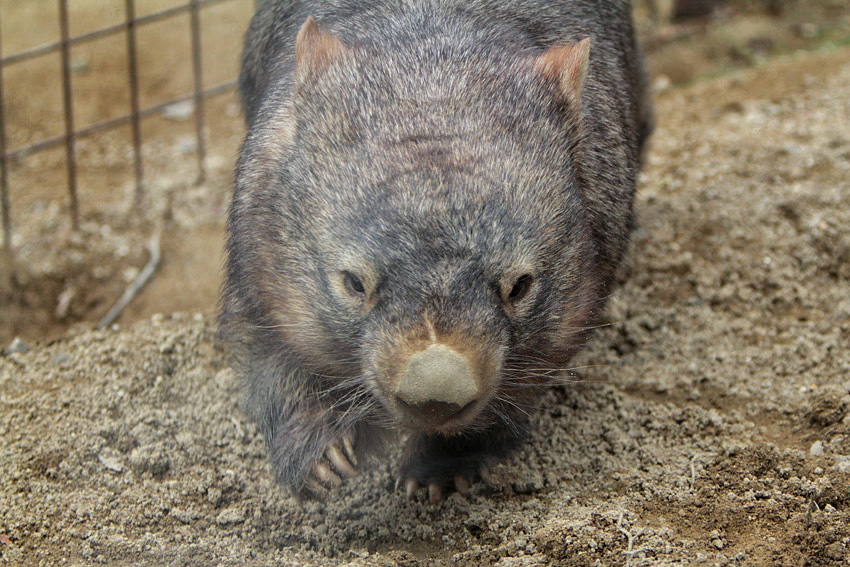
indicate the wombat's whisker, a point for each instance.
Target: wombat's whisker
{"x":519,"y":369}
{"x":343,"y":375}
{"x":513,"y":403}
{"x":359,"y":410}
{"x":350,"y":384}
{"x":348,"y":389}
{"x":527,"y":357}
{"x":550,"y":382}
{"x":588,"y":327}
{"x":268,"y":327}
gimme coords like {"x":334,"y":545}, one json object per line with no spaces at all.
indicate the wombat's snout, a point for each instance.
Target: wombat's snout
{"x":437,"y":384}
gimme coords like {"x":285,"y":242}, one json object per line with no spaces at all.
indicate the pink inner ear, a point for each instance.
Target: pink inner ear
{"x":315,"y":49}
{"x":567,"y":66}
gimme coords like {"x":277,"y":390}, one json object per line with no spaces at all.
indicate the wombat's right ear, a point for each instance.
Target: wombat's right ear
{"x":566,"y":65}
{"x":314,"y":50}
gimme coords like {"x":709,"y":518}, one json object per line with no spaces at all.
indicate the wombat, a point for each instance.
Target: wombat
{"x":430,"y":206}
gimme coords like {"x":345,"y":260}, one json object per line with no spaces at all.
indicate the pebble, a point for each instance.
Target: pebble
{"x":151,"y":458}
{"x":61,"y":360}
{"x":816,"y":450}
{"x":835,"y":551}
{"x":18,"y":345}
{"x":229,"y":517}
{"x":179,"y":110}
{"x":842,"y":464}
{"x":111,"y":463}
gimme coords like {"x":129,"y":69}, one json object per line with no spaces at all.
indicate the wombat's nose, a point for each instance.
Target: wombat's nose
{"x":438,"y":382}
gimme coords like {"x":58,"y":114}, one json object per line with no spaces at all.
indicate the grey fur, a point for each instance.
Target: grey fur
{"x":432,"y":159}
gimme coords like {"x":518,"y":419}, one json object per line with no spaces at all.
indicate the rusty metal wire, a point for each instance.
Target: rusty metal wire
{"x":133,"y":69}
{"x":5,"y":214}
{"x":68,"y":103}
{"x":68,"y":139}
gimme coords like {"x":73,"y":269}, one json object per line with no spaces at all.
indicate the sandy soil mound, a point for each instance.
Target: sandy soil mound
{"x":709,"y":424}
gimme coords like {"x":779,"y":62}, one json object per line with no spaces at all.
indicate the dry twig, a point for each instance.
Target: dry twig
{"x":630,"y":552}
{"x":136,"y":286}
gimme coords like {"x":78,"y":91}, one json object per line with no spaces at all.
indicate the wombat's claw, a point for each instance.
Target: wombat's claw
{"x":342,"y":458}
{"x":485,"y":475}
{"x":461,"y":484}
{"x":321,"y":481}
{"x":339,"y":461}
{"x":435,"y":490}
{"x":435,"y":493}
{"x":411,"y":485}
{"x":340,"y":464}
{"x":444,"y":465}
{"x":348,"y":445}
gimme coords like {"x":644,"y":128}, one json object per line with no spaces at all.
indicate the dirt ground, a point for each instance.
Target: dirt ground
{"x":709,"y":424}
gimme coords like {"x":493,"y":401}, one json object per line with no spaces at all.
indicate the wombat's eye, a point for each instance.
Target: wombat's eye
{"x":520,"y":288}
{"x":353,"y":285}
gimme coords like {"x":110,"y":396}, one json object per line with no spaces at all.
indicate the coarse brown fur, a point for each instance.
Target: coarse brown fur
{"x":436,"y":172}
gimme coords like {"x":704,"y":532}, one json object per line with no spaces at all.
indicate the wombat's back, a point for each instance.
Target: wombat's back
{"x":615,"y":101}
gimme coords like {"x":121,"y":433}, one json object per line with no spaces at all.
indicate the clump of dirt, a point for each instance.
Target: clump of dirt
{"x":73,"y":277}
{"x":709,"y":425}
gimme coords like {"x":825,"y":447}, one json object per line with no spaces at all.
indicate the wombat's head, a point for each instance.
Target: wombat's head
{"x":410,"y":225}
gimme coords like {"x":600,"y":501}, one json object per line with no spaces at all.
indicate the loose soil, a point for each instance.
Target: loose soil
{"x":709,"y":423}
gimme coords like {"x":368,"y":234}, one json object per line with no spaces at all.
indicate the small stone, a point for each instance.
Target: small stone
{"x":835,"y":551}
{"x":661,"y":84}
{"x":183,"y":516}
{"x":80,"y":64}
{"x":111,"y":463}
{"x":179,"y":110}
{"x":718,"y":543}
{"x":61,"y":360}
{"x":526,"y":486}
{"x":808,"y":30}
{"x":229,"y":517}
{"x":17,"y":346}
{"x":214,"y":496}
{"x":842,"y":464}
{"x":187,"y":144}
{"x":816,"y":450}
{"x":150,"y":458}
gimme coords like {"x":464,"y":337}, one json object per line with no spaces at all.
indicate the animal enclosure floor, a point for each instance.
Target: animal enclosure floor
{"x":710,"y":424}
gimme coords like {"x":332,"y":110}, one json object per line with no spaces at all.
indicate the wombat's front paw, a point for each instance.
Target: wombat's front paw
{"x":443,"y":464}
{"x":338,"y":463}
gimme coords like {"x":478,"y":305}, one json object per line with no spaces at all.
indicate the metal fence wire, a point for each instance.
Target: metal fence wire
{"x":135,"y":113}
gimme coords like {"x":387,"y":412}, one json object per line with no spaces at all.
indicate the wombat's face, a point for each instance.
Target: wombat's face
{"x":433,"y":253}
{"x":443,"y":313}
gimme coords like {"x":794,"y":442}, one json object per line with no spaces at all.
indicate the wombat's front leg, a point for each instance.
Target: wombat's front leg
{"x":311,"y":452}
{"x":440,"y":462}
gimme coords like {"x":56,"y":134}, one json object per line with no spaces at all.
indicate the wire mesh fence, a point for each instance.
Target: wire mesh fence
{"x":136,"y":111}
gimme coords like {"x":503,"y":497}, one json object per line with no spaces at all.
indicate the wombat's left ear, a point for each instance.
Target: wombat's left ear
{"x":314,"y":50}
{"x":566,"y":65}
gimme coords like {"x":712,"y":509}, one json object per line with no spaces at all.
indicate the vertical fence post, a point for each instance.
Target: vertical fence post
{"x":133,"y":72}
{"x":199,"y":98}
{"x":4,"y":168}
{"x":70,"y":136}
